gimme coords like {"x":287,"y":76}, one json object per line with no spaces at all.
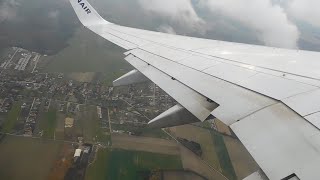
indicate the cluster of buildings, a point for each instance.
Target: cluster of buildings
{"x":82,"y":151}
{"x":5,"y":105}
{"x":23,"y":62}
{"x":132,"y":105}
{"x":7,"y":61}
{"x":137,"y":104}
{"x":19,"y":59}
{"x":81,"y":160}
{"x":68,"y":107}
{"x":32,"y":117}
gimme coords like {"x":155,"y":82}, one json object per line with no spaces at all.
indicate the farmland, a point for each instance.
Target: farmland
{"x":26,"y":158}
{"x":49,"y":124}
{"x":12,"y":118}
{"x":129,"y":165}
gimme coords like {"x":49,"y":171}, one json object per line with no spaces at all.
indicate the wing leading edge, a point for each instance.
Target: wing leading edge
{"x":257,"y":99}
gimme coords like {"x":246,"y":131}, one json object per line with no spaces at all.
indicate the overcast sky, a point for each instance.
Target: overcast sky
{"x":279,"y":23}
{"x":8,"y":9}
{"x":274,"y":22}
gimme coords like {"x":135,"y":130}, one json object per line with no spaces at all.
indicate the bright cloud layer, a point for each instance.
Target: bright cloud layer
{"x":178,"y":11}
{"x":305,"y":10}
{"x":270,"y":19}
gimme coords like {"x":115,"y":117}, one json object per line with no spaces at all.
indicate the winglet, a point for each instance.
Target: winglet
{"x":86,"y":13}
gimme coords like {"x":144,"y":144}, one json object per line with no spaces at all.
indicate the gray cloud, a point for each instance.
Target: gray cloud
{"x":304,"y":10}
{"x":8,"y":9}
{"x":268,"y":20}
{"x":53,"y":14}
{"x":180,"y":12}
{"x":166,"y":29}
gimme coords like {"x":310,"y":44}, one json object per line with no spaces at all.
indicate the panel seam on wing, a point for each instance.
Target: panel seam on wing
{"x":200,"y":72}
{"x":116,"y":36}
{"x":231,"y":60}
{"x":239,"y":120}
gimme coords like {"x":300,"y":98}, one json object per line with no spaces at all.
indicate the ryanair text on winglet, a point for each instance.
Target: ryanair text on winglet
{"x":82,"y":4}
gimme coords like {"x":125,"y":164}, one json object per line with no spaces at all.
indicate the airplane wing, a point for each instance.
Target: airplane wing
{"x":270,"y":97}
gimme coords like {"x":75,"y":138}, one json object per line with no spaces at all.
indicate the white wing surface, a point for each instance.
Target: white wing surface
{"x":270,"y":97}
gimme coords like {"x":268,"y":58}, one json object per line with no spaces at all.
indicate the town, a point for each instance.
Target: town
{"x":31,"y":94}
{"x":61,"y":107}
{"x":86,"y":113}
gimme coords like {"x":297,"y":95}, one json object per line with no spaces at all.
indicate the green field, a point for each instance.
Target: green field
{"x":222,"y":153}
{"x":13,"y":116}
{"x":26,"y":158}
{"x":88,"y":52}
{"x":129,"y":165}
{"x":48,"y":124}
{"x":87,"y":124}
{"x":141,"y":131}
{"x":156,"y":133}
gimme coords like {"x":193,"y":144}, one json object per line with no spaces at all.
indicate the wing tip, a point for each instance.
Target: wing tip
{"x":86,"y":13}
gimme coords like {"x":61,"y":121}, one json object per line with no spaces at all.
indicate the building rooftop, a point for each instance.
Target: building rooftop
{"x":68,"y":122}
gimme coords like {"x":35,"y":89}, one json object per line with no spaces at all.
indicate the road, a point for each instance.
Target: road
{"x":109,"y":122}
{"x":5,"y":67}
{"x":37,"y":60}
{"x":126,"y":102}
{"x":49,"y":104}
{"x":33,"y":137}
{"x":132,"y":122}
{"x":34,"y":99}
{"x":136,"y":110}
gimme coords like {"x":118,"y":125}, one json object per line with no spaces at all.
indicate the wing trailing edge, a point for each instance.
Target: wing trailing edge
{"x":258,"y":175}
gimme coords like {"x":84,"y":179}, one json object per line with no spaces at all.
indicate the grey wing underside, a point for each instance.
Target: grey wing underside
{"x":270,"y":97}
